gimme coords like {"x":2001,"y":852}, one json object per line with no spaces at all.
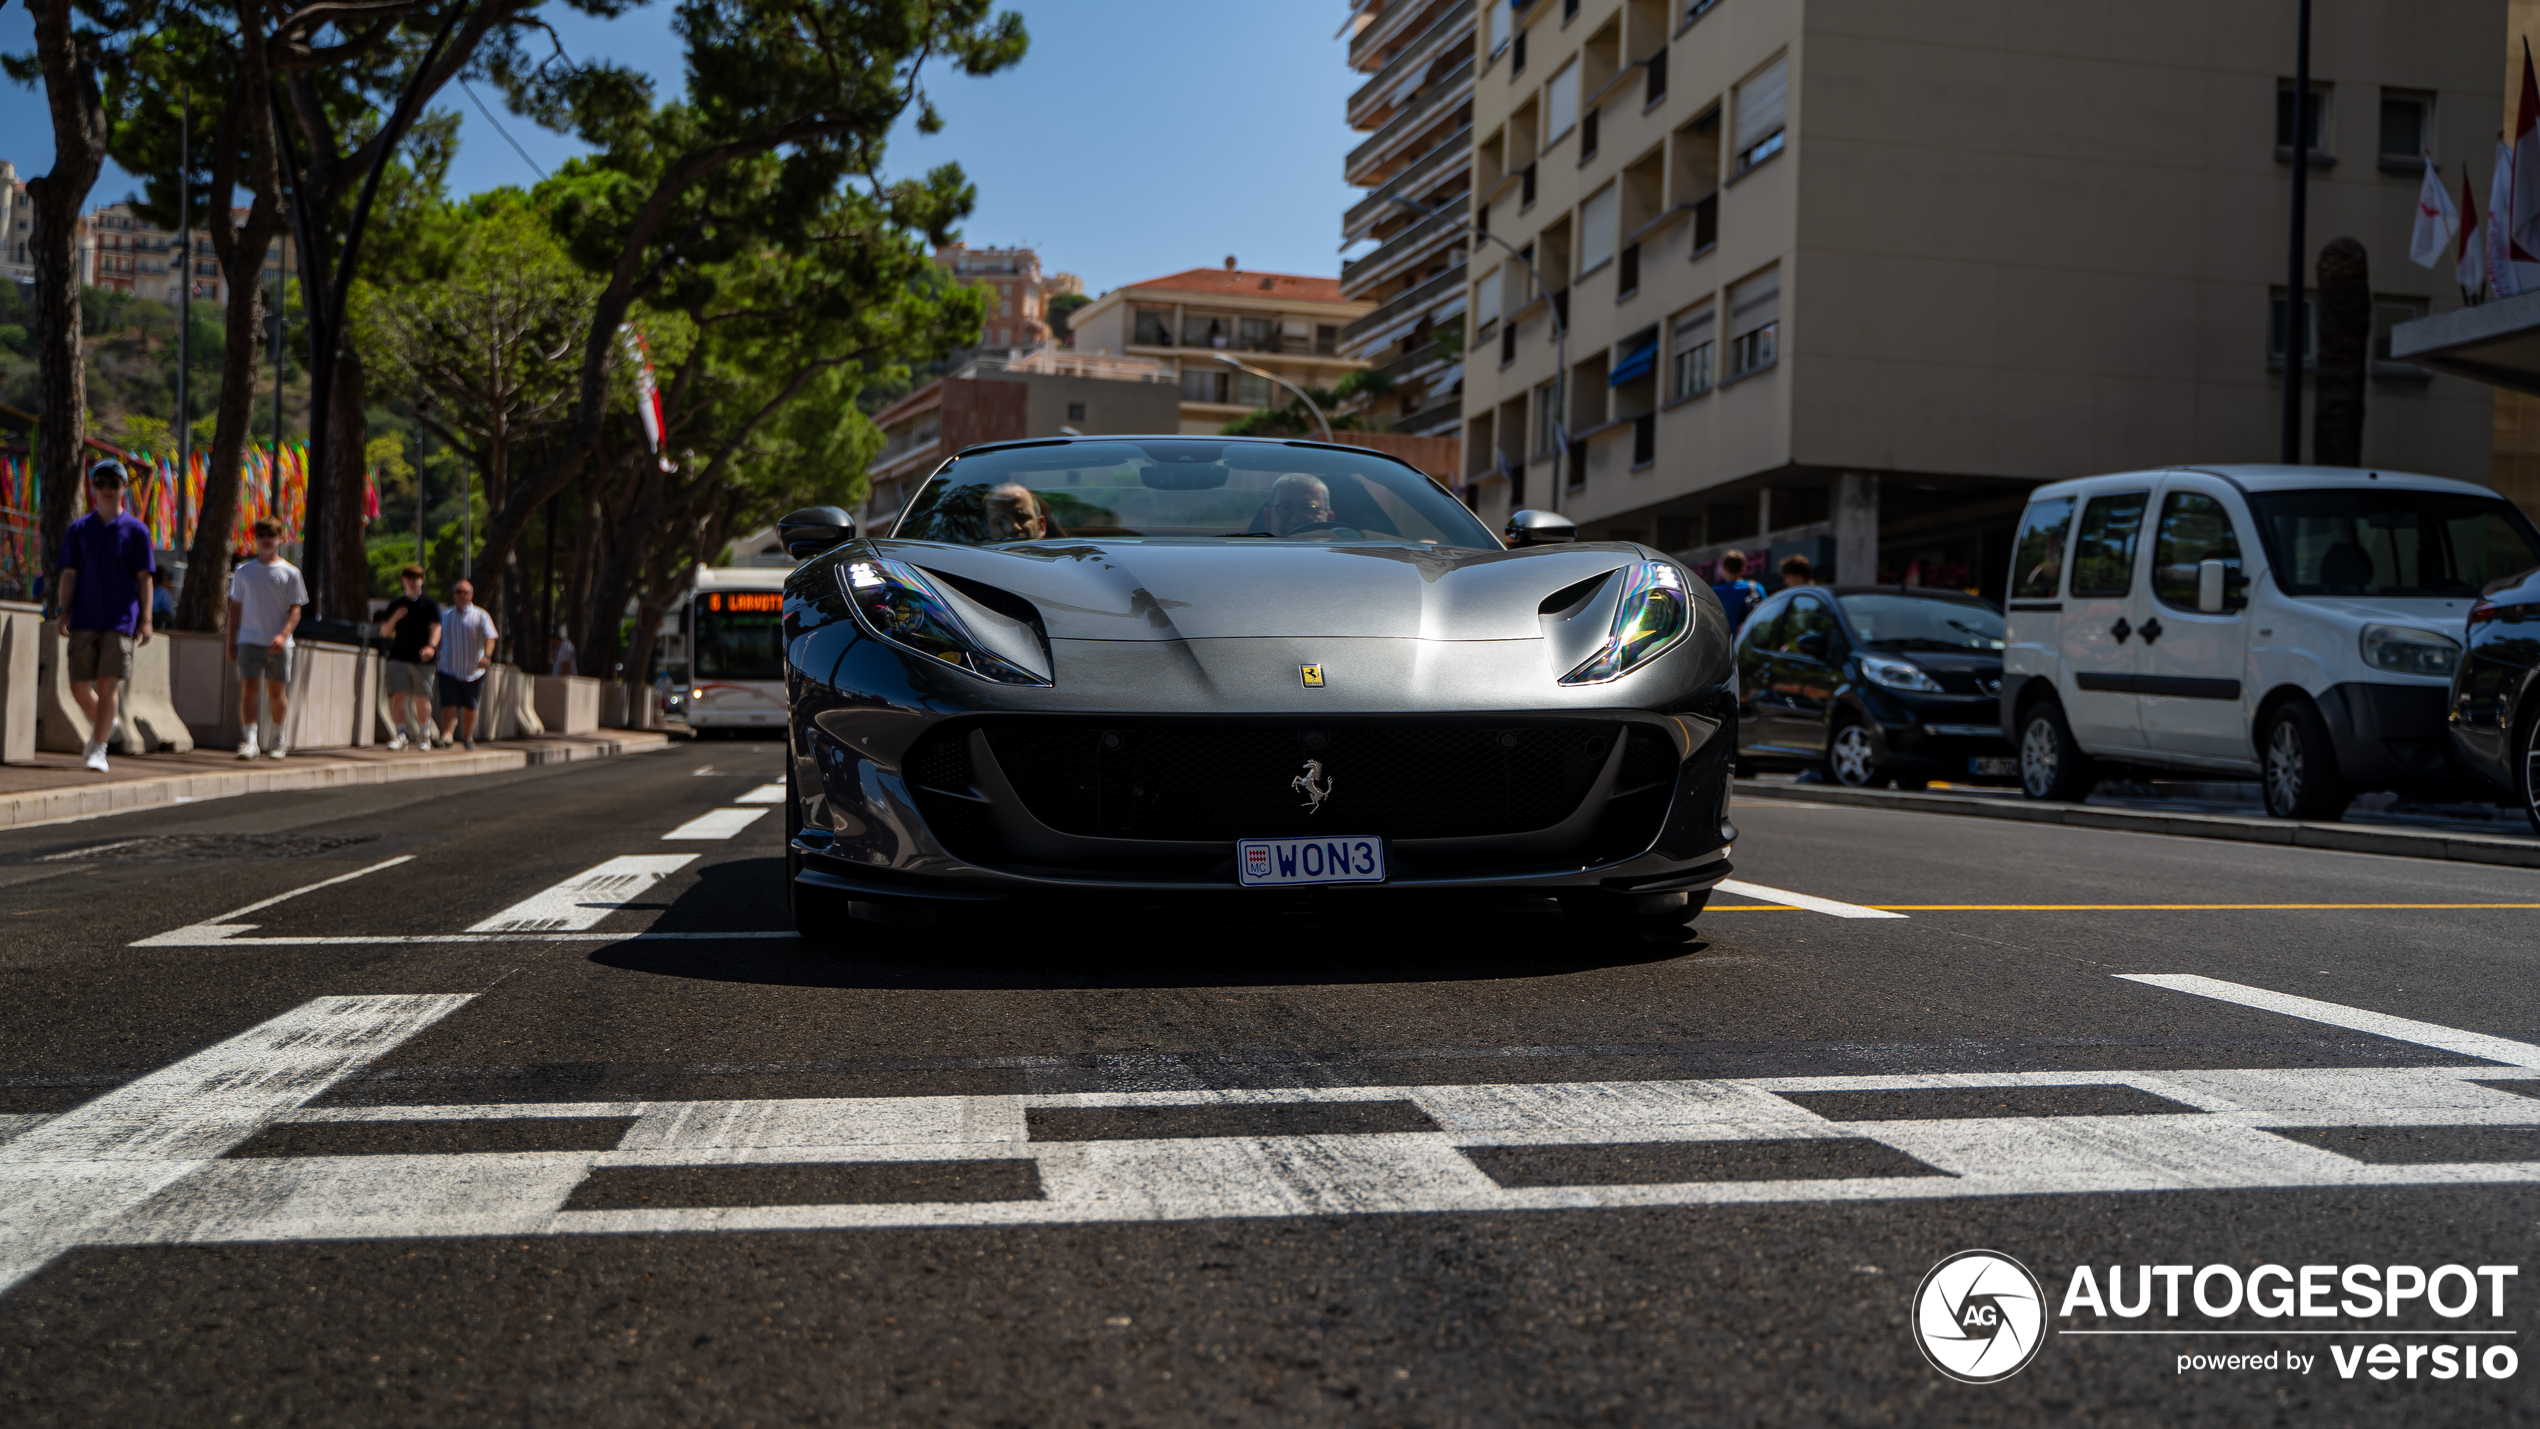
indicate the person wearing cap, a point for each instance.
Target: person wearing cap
{"x":102,"y":603}
{"x":265,"y":597}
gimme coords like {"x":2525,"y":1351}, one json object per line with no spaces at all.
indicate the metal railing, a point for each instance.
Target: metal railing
{"x":1412,"y":301}
{"x":1418,"y":239}
{"x":1450,"y":91}
{"x":1419,"y":52}
{"x":1428,"y":167}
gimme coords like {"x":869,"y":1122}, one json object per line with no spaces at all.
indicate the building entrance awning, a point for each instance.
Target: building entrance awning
{"x":2495,"y":342}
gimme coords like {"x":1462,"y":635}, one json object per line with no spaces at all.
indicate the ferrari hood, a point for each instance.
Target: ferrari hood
{"x":1217,"y":589}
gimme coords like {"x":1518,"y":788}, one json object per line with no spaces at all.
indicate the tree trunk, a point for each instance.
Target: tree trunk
{"x":79,"y":150}
{"x":2345,"y":308}
{"x":348,"y":426}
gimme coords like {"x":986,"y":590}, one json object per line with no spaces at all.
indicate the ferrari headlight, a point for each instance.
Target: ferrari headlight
{"x":1651,"y":617}
{"x":896,"y":602}
{"x":1898,"y":674}
{"x":2407,"y":650}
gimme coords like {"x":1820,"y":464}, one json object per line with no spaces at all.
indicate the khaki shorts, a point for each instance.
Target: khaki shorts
{"x":101,"y":655}
{"x":263,"y":662}
{"x":407,"y":677}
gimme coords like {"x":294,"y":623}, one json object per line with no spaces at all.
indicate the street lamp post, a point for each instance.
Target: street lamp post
{"x":1235,"y":362}
{"x":1560,"y":326}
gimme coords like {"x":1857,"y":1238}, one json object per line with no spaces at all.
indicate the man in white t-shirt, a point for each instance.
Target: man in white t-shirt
{"x":265,"y":596}
{"x":467,"y":652}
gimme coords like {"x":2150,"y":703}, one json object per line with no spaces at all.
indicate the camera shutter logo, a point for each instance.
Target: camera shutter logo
{"x":1979,"y":1316}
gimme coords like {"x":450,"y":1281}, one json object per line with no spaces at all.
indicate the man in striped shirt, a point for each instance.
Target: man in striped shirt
{"x":467,"y":652}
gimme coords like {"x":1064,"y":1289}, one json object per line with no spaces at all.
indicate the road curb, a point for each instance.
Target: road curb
{"x":2345,"y":838}
{"x":317,"y":771}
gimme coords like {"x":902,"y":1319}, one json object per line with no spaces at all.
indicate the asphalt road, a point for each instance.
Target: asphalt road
{"x":512,"y":1108}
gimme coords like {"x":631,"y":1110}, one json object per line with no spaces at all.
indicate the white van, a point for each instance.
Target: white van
{"x":2296,"y":624}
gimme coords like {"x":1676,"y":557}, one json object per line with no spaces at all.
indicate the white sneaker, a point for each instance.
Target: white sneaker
{"x":97,"y":757}
{"x":247,"y":746}
{"x":277,"y":751}
{"x":399,"y":742}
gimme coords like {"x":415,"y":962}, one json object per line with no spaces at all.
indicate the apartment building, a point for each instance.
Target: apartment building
{"x":1280,"y":323}
{"x":17,"y":224}
{"x":1020,"y":319}
{"x":122,"y":251}
{"x":1416,"y":108}
{"x":1037,"y":394}
{"x":1847,"y":277}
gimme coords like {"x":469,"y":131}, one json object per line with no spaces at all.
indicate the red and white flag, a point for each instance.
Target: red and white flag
{"x":2469,"y":262}
{"x":647,"y":391}
{"x":2522,"y":230}
{"x":2501,"y":277}
{"x":2438,"y":225}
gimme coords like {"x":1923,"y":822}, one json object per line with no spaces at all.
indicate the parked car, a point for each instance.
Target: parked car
{"x":2495,"y":713}
{"x":1873,"y":685}
{"x":2292,"y":624}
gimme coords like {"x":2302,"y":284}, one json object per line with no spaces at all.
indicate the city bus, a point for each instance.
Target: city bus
{"x":723,"y":652}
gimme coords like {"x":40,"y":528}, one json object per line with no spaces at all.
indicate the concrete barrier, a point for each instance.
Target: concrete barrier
{"x":21,"y":630}
{"x":624,"y":706}
{"x":149,"y":719}
{"x":567,"y":704}
{"x":332,"y":689}
{"x":507,"y":709}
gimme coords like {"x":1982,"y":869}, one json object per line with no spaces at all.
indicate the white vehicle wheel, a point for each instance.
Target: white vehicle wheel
{"x":1853,"y":758}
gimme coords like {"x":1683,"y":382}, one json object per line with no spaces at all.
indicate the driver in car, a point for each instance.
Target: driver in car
{"x":1296,"y":500}
{"x":1015,"y":514}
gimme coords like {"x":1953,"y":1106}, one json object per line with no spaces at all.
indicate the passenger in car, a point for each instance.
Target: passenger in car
{"x":1295,"y":500}
{"x":1015,"y":514}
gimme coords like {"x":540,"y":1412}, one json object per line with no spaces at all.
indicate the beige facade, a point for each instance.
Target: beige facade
{"x":1281,"y":323}
{"x":1892,"y":263}
{"x":1018,"y":320}
{"x":124,"y":252}
{"x":17,"y":225}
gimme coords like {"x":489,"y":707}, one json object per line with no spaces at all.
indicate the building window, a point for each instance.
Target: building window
{"x":1560,"y":105}
{"x":2388,"y":311}
{"x":1155,"y":328}
{"x":2275,"y":329}
{"x":1206,"y":330}
{"x":1596,"y":227}
{"x":1526,"y":189}
{"x":1201,"y":385}
{"x":1075,"y":411}
{"x":1486,"y":302}
{"x":1547,"y":422}
{"x":1694,"y":343}
{"x":1696,"y":9}
{"x":1587,"y":135}
{"x":1252,"y":391}
{"x":1517,"y":55}
{"x":2407,"y":128}
{"x":1327,"y":339}
{"x":1762,"y":103}
{"x":1261,"y":334}
{"x":1755,"y":322}
{"x":2314,"y":119}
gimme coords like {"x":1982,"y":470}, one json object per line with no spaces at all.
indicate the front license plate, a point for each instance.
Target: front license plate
{"x":1286,"y":863}
{"x":1993,"y":764}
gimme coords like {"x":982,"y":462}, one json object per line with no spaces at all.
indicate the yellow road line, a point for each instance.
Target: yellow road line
{"x":2169,"y":907}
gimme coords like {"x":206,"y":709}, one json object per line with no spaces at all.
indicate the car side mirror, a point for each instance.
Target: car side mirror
{"x":1540,"y":528}
{"x":814,"y":529}
{"x":2210,"y":586}
{"x":1812,"y":645}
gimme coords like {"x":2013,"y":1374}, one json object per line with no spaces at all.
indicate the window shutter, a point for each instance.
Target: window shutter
{"x":1760,"y":104}
{"x":1755,"y":302}
{"x":1561,"y":103}
{"x":1596,"y":228}
{"x":1695,"y":327}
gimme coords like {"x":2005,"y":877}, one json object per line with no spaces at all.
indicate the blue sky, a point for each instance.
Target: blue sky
{"x":1139,"y":137}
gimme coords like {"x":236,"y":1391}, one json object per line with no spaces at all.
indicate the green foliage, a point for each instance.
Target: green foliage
{"x":1293,"y":420}
{"x":1063,"y":307}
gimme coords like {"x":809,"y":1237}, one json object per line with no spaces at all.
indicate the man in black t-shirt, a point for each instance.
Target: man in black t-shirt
{"x":412,"y":623}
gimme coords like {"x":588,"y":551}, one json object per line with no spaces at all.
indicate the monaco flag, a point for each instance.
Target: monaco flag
{"x":2469,"y":264}
{"x":2438,"y":224}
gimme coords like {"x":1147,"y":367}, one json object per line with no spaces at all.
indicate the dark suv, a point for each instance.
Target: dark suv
{"x":1874,"y":685}
{"x":2495,"y":714}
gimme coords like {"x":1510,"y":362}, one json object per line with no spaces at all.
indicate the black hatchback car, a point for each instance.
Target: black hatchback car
{"x":1874,"y":685}
{"x":2495,"y":715}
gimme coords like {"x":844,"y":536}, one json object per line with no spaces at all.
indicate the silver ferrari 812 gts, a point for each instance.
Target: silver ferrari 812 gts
{"x":1142,"y":667}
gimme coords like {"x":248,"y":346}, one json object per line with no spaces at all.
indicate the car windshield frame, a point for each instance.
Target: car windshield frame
{"x":2267,"y":508}
{"x":1853,"y":616}
{"x":1187,"y":488}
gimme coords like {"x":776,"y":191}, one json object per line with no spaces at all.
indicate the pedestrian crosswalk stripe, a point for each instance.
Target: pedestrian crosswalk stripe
{"x":716,"y":824}
{"x":763,"y":794}
{"x":584,"y":899}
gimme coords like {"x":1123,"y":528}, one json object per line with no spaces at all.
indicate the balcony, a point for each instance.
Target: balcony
{"x":1405,"y":128}
{"x":1449,"y":408}
{"x":1408,"y":247}
{"x":1389,"y":25}
{"x":1455,"y":24}
{"x":1442,"y":349}
{"x":1445,"y":161}
{"x":1449,"y":284}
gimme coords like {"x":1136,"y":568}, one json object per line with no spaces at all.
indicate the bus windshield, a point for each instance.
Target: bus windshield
{"x":740,"y":635}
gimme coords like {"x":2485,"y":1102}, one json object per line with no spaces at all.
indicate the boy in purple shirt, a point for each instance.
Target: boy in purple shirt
{"x":102,"y":601}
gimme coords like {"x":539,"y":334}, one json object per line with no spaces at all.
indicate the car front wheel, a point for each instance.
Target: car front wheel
{"x":1852,"y":757}
{"x":2299,"y":766}
{"x":2051,"y":765}
{"x":2529,"y":768}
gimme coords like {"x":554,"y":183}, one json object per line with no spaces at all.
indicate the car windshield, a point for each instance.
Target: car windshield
{"x":2392,"y":542}
{"x":740,"y":635}
{"x":1263,"y":491}
{"x":1908,"y":622}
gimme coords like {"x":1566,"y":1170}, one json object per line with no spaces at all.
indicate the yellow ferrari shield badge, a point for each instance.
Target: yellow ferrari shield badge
{"x":1312,"y":675}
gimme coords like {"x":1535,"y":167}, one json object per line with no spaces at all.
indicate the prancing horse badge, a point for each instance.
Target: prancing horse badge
{"x":1312,"y":675}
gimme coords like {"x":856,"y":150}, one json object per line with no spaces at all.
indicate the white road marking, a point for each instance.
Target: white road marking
{"x":716,"y":824}
{"x":2424,"y":1034}
{"x":763,"y":794}
{"x":66,"y":1182}
{"x":583,"y":900}
{"x":206,"y":937}
{"x":1810,"y":902}
{"x":2224,"y":1147}
{"x":213,"y":930}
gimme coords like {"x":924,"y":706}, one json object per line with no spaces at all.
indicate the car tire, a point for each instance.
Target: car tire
{"x":2298,"y":765}
{"x":2526,"y":757}
{"x":1634,"y":913}
{"x":2052,"y":766}
{"x":1852,"y":756}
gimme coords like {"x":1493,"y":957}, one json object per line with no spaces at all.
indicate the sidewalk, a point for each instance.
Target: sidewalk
{"x":2443,"y":840}
{"x":57,"y":786}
